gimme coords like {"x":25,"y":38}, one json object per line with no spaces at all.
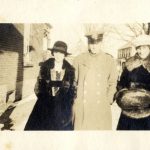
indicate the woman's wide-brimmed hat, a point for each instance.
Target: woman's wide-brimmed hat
{"x":60,"y":46}
{"x":142,"y":40}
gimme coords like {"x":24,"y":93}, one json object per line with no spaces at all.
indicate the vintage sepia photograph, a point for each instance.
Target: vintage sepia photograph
{"x":74,"y":74}
{"x":68,"y":77}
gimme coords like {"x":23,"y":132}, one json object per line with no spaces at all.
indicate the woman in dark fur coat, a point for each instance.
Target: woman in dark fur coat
{"x":134,"y":88}
{"x":56,"y":90}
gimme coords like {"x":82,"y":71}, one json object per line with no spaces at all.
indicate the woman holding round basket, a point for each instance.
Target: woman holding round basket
{"x":133,"y":95}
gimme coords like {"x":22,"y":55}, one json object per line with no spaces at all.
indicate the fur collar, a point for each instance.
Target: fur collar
{"x":146,"y":63}
{"x":50,"y":64}
{"x":136,"y":61}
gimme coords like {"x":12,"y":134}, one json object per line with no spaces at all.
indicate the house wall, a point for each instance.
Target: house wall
{"x":11,"y":57}
{"x":14,"y":76}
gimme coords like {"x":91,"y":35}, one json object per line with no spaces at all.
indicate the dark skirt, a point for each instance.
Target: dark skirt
{"x":126,"y":123}
{"x":42,"y":116}
{"x":50,"y":115}
{"x":63,"y":114}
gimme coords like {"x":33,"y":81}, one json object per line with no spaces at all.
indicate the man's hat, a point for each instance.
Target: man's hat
{"x":94,"y":32}
{"x":61,"y":47}
{"x":94,"y":38}
{"x":142,"y":40}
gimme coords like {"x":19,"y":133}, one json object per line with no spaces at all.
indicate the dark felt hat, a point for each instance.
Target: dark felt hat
{"x":59,"y":46}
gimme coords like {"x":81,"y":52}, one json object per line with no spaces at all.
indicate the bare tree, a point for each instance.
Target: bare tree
{"x":135,"y":29}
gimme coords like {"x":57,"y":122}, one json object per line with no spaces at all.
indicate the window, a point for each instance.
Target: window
{"x":46,"y":39}
{"x":27,"y":56}
{"x":46,"y":43}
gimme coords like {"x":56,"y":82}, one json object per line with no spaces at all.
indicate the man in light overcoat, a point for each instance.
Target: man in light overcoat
{"x":96,"y":77}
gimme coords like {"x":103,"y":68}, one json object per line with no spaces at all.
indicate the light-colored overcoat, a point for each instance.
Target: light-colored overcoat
{"x":96,"y":78}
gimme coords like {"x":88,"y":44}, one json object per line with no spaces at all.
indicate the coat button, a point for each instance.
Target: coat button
{"x":98,"y":101}
{"x":85,"y":92}
{"x":85,"y":83}
{"x":98,"y":84}
{"x":84,"y":101}
{"x":98,"y":93}
{"x":99,"y":75}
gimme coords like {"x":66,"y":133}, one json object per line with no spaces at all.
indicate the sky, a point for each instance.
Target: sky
{"x":67,"y":15}
{"x":73,"y":35}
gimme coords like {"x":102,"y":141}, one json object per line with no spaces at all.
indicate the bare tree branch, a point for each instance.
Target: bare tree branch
{"x":122,"y":36}
{"x":132,"y":28}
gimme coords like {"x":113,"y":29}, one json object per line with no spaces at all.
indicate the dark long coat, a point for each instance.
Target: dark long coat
{"x":53,"y":112}
{"x":136,"y":73}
